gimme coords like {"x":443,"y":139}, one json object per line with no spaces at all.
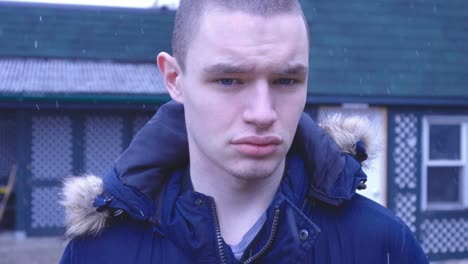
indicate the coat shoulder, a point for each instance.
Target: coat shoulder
{"x":369,"y":208}
{"x":121,"y":241}
{"x":375,"y":218}
{"x":363,"y":224}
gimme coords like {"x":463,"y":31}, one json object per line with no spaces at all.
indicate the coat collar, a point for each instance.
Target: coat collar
{"x":188,"y":220}
{"x":331,"y":180}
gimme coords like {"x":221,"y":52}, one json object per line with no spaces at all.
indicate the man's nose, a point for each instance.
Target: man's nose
{"x":260,"y":109}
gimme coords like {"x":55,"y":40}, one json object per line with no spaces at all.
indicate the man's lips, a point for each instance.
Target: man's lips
{"x":258,"y":140}
{"x":257,"y":146}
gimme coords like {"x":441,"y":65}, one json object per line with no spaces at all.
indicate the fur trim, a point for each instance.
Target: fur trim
{"x":348,"y":130}
{"x":81,"y":218}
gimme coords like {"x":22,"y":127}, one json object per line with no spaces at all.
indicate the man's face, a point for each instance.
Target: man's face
{"x":244,"y":89}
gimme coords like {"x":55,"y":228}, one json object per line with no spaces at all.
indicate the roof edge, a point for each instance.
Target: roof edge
{"x":52,"y":100}
{"x":58,"y":100}
{"x":445,"y":101}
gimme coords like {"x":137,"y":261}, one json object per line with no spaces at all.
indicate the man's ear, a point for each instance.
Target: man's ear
{"x":170,"y":72}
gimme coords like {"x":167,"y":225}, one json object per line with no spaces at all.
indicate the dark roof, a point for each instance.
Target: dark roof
{"x":359,"y":49}
{"x":59,"y":31}
{"x":65,"y":76}
{"x":409,"y":49}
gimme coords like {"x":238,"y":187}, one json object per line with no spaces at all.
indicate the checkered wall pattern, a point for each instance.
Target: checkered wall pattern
{"x":103,"y":143}
{"x":405,"y":172}
{"x":51,"y":159}
{"x":58,"y":150}
{"x":45,"y":209}
{"x":405,"y":152}
{"x":51,"y":147}
{"x":442,"y":236}
{"x":406,"y":209}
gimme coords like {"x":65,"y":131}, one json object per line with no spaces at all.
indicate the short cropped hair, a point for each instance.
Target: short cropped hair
{"x":189,"y":12}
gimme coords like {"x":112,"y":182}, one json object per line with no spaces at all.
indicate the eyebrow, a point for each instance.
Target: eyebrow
{"x":223,"y":68}
{"x":226,"y":68}
{"x":297,"y":69}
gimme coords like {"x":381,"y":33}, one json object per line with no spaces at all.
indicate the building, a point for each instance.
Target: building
{"x":76,"y":83}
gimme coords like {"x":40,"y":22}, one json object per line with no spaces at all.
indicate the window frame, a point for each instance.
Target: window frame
{"x":462,"y":163}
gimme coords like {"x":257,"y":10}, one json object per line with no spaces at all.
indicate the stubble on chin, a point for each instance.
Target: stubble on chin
{"x":254,"y":172}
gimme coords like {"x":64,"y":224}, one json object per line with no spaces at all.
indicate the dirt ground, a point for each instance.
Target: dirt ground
{"x":20,"y":250}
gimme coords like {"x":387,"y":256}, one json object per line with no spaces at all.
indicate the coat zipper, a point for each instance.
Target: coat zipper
{"x":269,"y":241}
{"x":219,"y":238}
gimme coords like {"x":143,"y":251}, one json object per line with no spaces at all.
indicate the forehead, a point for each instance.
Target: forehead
{"x":242,"y":38}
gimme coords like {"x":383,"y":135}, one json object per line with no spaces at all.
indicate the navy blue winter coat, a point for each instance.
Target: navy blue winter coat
{"x":315,"y":217}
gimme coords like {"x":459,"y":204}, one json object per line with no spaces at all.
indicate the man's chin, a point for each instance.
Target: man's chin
{"x":249,"y":176}
{"x":255,"y":171}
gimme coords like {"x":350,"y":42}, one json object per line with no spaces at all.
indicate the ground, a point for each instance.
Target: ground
{"x":48,"y":250}
{"x":17,"y":250}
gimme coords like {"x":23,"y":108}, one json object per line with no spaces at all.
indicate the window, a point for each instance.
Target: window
{"x":445,"y":163}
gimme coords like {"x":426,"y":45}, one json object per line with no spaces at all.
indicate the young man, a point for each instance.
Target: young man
{"x":259,"y":181}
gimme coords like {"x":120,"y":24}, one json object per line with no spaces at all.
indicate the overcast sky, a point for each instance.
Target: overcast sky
{"x":117,"y":3}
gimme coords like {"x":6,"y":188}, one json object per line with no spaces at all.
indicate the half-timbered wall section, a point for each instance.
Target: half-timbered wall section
{"x":59,"y":144}
{"x":428,"y":177}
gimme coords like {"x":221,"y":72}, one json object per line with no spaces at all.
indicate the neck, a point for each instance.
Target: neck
{"x":239,"y":201}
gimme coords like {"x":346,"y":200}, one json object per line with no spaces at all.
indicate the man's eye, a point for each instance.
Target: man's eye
{"x":285,"y":81}
{"x":228,"y":82}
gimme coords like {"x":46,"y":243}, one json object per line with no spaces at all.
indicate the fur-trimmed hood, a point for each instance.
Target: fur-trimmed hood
{"x":332,"y":154}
